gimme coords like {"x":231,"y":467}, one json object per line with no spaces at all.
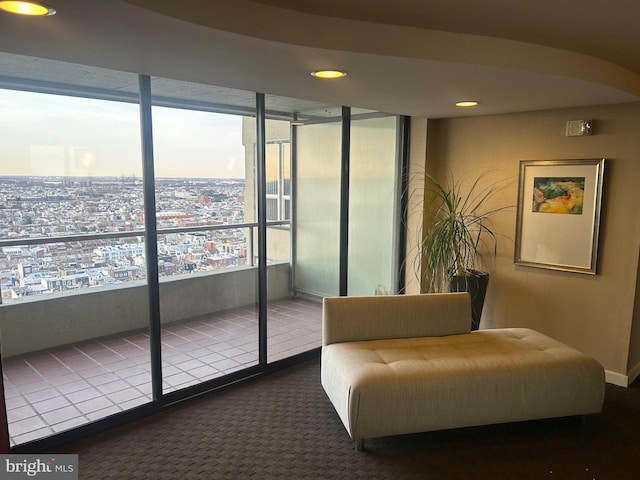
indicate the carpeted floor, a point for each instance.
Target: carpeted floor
{"x":282,"y":426}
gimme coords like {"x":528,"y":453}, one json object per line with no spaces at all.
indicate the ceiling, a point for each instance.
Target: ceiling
{"x":605,"y":30}
{"x":414,"y":57}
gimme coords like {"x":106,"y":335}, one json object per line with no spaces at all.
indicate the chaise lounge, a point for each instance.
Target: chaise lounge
{"x":401,"y":364}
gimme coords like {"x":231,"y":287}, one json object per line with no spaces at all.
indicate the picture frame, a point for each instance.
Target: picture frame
{"x":558,"y":214}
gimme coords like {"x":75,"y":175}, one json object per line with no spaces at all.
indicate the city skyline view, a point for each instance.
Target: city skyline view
{"x":34,"y":208}
{"x":71,"y":182}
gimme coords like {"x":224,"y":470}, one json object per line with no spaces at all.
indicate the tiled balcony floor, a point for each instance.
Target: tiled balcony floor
{"x":53,"y":390}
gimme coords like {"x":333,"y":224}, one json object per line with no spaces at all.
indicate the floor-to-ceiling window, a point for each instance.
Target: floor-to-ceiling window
{"x":237,"y":209}
{"x":70,"y":208}
{"x":208,"y":300}
{"x":293,"y":322}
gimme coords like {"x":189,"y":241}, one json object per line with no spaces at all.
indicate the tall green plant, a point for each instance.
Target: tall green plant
{"x":458,"y":232}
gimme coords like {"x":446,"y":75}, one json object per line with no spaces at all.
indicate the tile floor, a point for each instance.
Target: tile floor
{"x":53,"y":390}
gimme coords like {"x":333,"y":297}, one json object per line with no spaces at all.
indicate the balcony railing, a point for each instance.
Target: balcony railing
{"x":40,"y":322}
{"x":74,"y":356}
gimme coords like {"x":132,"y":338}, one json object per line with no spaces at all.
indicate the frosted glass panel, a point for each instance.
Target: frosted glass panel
{"x":318,"y":208}
{"x":372,"y":199}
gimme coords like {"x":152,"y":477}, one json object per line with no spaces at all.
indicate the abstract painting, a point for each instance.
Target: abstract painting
{"x":558,"y":195}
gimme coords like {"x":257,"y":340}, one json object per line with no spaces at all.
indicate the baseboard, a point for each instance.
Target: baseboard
{"x":616,"y":378}
{"x":634,"y":373}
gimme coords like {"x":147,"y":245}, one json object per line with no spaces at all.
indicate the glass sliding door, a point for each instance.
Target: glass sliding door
{"x":372,"y":206}
{"x":293,"y":323}
{"x":74,"y":327}
{"x":283,"y":324}
{"x":208,"y":286}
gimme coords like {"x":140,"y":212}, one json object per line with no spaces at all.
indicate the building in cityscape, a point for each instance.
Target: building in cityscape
{"x":70,"y":206}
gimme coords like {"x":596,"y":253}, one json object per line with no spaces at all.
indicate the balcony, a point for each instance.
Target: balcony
{"x":73,"y":359}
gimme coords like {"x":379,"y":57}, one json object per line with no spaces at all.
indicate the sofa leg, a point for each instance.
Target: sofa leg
{"x":359,"y":442}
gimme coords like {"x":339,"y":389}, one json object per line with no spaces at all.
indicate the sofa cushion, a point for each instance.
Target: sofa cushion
{"x":385,"y":387}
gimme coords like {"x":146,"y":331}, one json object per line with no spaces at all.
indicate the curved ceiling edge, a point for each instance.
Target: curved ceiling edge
{"x":296,"y":28}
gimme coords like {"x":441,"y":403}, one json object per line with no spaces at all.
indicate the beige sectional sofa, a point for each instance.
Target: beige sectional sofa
{"x":409,"y":363}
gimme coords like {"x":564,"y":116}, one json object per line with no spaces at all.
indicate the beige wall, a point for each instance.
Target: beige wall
{"x":633,"y":364}
{"x":596,"y":314}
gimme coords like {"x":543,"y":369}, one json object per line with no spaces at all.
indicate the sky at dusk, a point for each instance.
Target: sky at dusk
{"x":53,"y":135}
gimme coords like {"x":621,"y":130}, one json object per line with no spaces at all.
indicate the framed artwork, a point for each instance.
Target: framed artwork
{"x":558,"y":216}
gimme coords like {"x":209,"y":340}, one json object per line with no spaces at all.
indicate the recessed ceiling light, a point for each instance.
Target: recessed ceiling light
{"x":26,"y":8}
{"x":297,"y":123}
{"x":467,"y":103}
{"x":329,"y":73}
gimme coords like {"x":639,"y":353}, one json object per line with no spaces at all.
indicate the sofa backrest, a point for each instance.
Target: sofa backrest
{"x":346,"y":319}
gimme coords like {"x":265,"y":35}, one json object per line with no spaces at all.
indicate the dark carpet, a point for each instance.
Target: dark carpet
{"x":282,"y":426}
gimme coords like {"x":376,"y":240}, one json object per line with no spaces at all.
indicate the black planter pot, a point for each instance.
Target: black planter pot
{"x":476,"y":284}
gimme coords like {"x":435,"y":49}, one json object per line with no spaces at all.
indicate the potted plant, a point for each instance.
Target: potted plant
{"x":458,"y":238}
